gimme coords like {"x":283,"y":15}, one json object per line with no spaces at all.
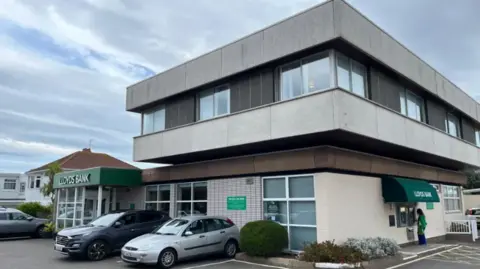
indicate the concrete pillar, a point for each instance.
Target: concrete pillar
{"x":114,"y":199}
{"x":99,"y":201}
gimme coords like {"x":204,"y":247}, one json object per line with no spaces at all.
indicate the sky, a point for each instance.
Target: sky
{"x":65,"y":65}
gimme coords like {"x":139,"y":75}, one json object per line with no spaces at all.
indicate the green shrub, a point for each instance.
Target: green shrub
{"x":263,"y":238}
{"x":328,"y":251}
{"x":35,"y":209}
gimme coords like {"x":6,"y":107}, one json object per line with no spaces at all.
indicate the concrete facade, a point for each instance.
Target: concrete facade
{"x":327,"y":21}
{"x":332,"y":110}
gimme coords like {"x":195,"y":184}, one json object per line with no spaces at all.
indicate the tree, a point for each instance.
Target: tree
{"x":47,"y":189}
{"x":473,"y":180}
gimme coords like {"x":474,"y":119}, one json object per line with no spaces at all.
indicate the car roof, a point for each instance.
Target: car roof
{"x":200,"y":217}
{"x":4,"y":209}
{"x":135,"y":211}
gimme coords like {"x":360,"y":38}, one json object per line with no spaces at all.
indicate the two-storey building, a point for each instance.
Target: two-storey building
{"x":12,"y":189}
{"x":322,"y":122}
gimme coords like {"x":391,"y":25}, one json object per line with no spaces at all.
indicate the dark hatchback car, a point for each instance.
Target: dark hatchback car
{"x":107,"y":233}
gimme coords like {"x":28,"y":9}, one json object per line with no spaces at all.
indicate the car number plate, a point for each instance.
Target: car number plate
{"x":58,"y":247}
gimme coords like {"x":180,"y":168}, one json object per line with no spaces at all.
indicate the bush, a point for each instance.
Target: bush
{"x":328,"y":251}
{"x":263,"y":238}
{"x":35,"y":209}
{"x":374,"y":247}
{"x":49,"y":227}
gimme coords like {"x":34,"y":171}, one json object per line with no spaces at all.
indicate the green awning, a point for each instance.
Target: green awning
{"x":106,"y":176}
{"x":401,"y":190}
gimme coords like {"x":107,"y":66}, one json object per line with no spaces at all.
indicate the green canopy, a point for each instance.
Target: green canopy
{"x":400,"y":190}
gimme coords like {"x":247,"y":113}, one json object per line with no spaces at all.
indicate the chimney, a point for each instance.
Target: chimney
{"x":86,"y":150}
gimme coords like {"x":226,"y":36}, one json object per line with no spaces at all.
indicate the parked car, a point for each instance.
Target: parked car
{"x":107,"y":233}
{"x":14,"y":222}
{"x":475,"y":212}
{"x":183,"y":238}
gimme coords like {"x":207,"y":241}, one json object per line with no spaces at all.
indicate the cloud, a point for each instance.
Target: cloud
{"x":65,"y":64}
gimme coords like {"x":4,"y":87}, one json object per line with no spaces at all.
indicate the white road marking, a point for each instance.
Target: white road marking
{"x":209,"y":264}
{"x":461,"y":262}
{"x":417,"y":260}
{"x":261,"y":265}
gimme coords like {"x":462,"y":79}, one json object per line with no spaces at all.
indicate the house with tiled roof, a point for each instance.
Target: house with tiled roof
{"x":79,"y":160}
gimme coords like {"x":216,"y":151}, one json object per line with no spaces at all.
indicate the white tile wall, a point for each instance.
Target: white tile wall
{"x":220,"y":189}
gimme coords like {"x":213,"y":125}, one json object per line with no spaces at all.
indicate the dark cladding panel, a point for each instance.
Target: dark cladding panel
{"x":267,"y":87}
{"x":468,"y":132}
{"x":385,"y":90}
{"x":171,"y":114}
{"x":234,"y":96}
{"x":255,"y":90}
{"x":436,"y":115}
{"x":244,"y":94}
{"x":186,"y":110}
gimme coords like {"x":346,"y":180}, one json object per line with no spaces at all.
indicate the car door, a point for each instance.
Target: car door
{"x":20,"y":223}
{"x":5,"y":224}
{"x":215,"y":235}
{"x":196,"y":243}
{"x":127,"y":231}
{"x":148,"y":221}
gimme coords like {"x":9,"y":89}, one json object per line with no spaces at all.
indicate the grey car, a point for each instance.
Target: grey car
{"x":14,"y":222}
{"x":183,"y":238}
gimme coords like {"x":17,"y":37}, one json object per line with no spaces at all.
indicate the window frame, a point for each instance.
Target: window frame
{"x":38,"y":182}
{"x":351,"y":63}
{"x":212,"y":92}
{"x":153,"y":111}
{"x":157,"y":201}
{"x":457,"y":124}
{"x":9,"y":182}
{"x":477,"y":137}
{"x":287,"y":200}
{"x":192,"y":198}
{"x":22,"y":187}
{"x":457,"y":199}
{"x":406,"y":93}
{"x":327,"y":54}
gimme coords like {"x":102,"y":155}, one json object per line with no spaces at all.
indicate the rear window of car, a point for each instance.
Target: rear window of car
{"x":226,"y":224}
{"x":3,"y":216}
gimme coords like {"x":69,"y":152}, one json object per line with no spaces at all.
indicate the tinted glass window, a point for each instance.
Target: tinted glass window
{"x":3,"y":216}
{"x":225,"y":224}
{"x":128,"y":219}
{"x":213,"y":225}
{"x":197,"y":227}
{"x":150,"y":216}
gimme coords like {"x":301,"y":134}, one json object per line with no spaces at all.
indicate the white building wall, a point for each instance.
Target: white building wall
{"x":352,"y":206}
{"x":9,"y":197}
{"x":220,"y":189}
{"x":133,"y":195}
{"x":34,"y":194}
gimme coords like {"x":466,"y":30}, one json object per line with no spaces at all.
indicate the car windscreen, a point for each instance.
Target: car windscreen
{"x":172,"y":227}
{"x":105,"y":220}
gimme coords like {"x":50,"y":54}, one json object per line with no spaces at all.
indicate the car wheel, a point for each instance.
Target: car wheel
{"x":98,"y":250}
{"x":167,"y":258}
{"x":39,"y":232}
{"x":230,"y":249}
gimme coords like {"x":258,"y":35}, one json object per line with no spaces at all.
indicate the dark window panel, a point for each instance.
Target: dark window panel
{"x":171,"y":114}
{"x":244,"y":96}
{"x":268,"y":90}
{"x":234,"y":96}
{"x":436,"y":115}
{"x":468,"y":132}
{"x":385,"y":91}
{"x":255,"y":90}
{"x":186,"y":110}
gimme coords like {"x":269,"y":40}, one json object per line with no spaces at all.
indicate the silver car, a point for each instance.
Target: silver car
{"x":14,"y":222}
{"x":183,"y":238}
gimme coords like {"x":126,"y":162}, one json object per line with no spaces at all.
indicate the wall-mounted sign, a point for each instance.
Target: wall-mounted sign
{"x":75,"y":179}
{"x":430,"y":206}
{"x":236,"y":202}
{"x":422,"y":194}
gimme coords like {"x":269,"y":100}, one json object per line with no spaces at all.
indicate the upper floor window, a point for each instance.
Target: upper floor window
{"x":351,"y":75}
{"x":10,"y":184}
{"x":305,"y":76}
{"x":22,"y":187}
{"x":452,"y":125}
{"x":477,"y":137}
{"x":214,"y":103}
{"x":31,"y":181}
{"x":154,"y":121}
{"x":411,"y":105}
{"x":452,"y":198}
{"x":38,"y":180}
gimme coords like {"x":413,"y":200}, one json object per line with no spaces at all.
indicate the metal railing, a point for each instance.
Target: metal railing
{"x":468,"y":226}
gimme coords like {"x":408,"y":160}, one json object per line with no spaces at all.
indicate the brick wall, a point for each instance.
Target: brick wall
{"x":220,"y":189}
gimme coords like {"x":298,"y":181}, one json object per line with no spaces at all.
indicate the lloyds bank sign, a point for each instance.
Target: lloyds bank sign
{"x":75,"y":179}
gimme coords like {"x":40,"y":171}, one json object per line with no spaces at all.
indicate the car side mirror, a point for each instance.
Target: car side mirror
{"x":30,"y":218}
{"x":117,"y":224}
{"x":188,"y":233}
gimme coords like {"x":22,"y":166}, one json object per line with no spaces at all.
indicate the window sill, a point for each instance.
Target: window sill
{"x":453,"y":212}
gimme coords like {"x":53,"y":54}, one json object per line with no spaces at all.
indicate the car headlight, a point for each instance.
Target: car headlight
{"x":82,"y":235}
{"x":146,"y":247}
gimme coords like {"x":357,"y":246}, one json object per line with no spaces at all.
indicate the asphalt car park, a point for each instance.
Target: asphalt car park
{"x":461,"y":257}
{"x":39,"y":253}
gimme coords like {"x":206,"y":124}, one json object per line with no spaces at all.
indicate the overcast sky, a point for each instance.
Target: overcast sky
{"x":64,"y":65}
